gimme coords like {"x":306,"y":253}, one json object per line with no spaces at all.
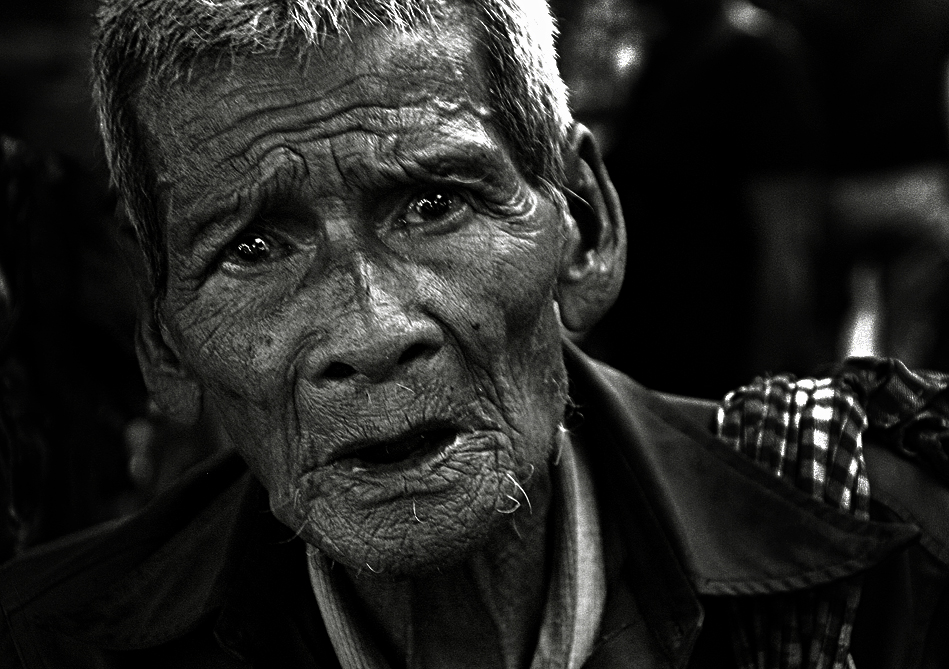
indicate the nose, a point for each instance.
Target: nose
{"x":377,"y":351}
{"x":378,"y":336}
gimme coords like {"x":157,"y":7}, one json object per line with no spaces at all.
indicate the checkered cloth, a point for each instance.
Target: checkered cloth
{"x":809,"y":432}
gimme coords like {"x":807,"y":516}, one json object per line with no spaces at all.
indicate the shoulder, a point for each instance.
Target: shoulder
{"x":796,"y":431}
{"x":59,"y":586}
{"x":86,"y":560}
{"x":868,"y":437}
{"x":905,"y":488}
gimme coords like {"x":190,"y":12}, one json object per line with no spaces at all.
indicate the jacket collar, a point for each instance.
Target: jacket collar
{"x":693,"y":519}
{"x":696,"y":518}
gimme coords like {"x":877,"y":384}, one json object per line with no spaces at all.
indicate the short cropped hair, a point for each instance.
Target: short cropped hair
{"x":137,"y":41}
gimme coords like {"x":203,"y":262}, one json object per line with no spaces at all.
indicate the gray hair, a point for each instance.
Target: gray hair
{"x":144,"y":40}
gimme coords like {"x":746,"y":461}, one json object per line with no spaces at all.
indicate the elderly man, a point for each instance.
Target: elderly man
{"x":369,"y":225}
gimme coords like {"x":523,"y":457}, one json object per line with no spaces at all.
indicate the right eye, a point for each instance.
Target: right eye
{"x":435,"y":210}
{"x":252,"y":249}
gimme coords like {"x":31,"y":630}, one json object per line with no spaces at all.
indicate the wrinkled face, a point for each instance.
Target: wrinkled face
{"x":362,"y":282}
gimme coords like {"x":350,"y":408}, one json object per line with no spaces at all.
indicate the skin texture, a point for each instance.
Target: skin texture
{"x":366,"y":319}
{"x":356,"y":263}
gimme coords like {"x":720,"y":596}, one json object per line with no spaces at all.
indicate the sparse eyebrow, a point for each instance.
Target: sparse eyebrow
{"x":474,"y":160}
{"x":279,"y":167}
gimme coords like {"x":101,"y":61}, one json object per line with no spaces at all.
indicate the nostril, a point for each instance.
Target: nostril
{"x":413,"y":352}
{"x":374,"y":355}
{"x":339,"y":371}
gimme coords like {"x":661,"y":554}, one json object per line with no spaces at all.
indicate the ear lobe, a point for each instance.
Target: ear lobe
{"x":171,"y":386}
{"x":594,"y":255}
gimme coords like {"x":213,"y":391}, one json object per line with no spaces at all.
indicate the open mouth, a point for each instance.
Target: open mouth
{"x":407,"y":450}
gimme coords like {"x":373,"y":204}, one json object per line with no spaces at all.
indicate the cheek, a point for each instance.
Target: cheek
{"x":233,"y":346}
{"x":497,"y":295}
{"x":500,"y":308}
{"x":242,"y":361}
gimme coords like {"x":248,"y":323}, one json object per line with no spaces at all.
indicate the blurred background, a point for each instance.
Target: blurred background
{"x":783,"y":166}
{"x":79,"y":441}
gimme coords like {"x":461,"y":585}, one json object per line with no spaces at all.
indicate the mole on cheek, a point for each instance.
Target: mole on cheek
{"x":262,"y":346}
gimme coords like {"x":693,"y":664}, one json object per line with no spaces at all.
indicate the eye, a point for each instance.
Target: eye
{"x":252,"y":249}
{"x":433,"y":207}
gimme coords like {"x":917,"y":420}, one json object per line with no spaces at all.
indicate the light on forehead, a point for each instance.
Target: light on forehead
{"x":139,"y":40}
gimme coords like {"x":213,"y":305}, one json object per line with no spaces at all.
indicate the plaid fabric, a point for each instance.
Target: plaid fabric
{"x":908,"y":410}
{"x":809,"y":432}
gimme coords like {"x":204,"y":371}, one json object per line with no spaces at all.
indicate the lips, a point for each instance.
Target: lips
{"x":407,"y":449}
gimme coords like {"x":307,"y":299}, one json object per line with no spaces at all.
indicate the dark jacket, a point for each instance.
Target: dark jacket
{"x":206,"y":577}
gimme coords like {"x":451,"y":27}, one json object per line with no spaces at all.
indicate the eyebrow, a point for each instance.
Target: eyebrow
{"x":462,"y":162}
{"x":473,"y":160}
{"x":277,"y":169}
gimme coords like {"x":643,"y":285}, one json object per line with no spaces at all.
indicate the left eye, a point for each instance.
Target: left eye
{"x":434,"y":206}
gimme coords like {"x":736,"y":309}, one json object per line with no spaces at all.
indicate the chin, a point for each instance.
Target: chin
{"x":413,"y":535}
{"x":416,"y":553}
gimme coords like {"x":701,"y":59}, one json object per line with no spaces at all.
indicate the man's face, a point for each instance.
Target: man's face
{"x":362,"y":282}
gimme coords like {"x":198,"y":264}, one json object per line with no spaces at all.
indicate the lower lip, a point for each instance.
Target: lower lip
{"x":434,"y":472}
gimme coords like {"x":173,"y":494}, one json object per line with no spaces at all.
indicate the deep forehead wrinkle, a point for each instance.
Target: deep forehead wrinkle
{"x":248,"y":115}
{"x":233,"y":154}
{"x":346,"y":97}
{"x":311,"y":121}
{"x":377,"y":134}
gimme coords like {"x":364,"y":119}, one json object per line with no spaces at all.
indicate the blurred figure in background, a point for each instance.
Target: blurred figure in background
{"x":79,"y":440}
{"x":714,"y":151}
{"x":880,"y":72}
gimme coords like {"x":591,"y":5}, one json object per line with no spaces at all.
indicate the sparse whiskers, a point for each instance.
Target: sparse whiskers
{"x":516,"y":503}
{"x":374,"y":571}
{"x":563,"y":435}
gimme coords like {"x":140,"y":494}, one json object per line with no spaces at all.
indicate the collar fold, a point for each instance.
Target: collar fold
{"x":736,"y":529}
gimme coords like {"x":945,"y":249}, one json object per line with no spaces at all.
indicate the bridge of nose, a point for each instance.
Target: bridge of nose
{"x":379,"y":328}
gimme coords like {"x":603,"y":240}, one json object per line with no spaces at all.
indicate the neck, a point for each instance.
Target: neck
{"x":484,"y":612}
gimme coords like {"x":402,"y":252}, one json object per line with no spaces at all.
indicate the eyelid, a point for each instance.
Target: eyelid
{"x":486,"y":195}
{"x":460,"y":201}
{"x":227,"y":258}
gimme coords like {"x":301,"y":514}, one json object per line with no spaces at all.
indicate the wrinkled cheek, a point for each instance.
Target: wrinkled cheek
{"x":235,"y":345}
{"x":242,"y":366}
{"x":532,"y":341}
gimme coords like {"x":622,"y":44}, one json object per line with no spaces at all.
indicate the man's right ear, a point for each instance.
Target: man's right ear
{"x":169,"y":383}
